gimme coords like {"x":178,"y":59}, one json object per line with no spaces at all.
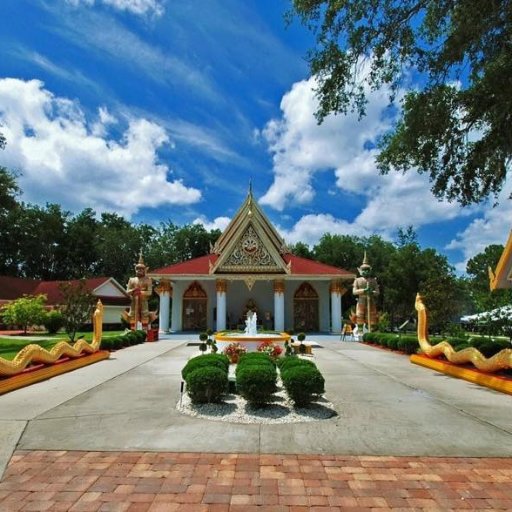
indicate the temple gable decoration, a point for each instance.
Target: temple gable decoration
{"x":250,"y":244}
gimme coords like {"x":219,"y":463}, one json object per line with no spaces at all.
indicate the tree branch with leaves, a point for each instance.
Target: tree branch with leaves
{"x":455,"y":125}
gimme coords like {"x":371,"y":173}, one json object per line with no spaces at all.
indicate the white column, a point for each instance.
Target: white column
{"x":164,"y":290}
{"x":336,"y":293}
{"x":177,"y":307}
{"x":279,"y":305}
{"x":221,"y":304}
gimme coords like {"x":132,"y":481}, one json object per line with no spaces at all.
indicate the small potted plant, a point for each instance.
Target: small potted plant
{"x":203,"y":346}
{"x":267,"y":347}
{"x":234,"y":351}
{"x":301,"y":337}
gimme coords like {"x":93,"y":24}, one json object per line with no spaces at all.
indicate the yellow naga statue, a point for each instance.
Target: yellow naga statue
{"x":500,"y":361}
{"x":34,"y":353}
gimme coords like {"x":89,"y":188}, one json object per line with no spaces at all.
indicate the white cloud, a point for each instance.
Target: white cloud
{"x":133,"y":6}
{"x":66,"y":160}
{"x":492,"y":228}
{"x":345,"y":146}
{"x":310,"y":228}
{"x":104,"y":35}
{"x":217,"y":223}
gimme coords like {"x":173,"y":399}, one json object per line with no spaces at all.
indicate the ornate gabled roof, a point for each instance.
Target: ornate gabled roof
{"x":297,"y":266}
{"x":250,"y":243}
{"x":249,"y":209}
{"x":503,"y":276}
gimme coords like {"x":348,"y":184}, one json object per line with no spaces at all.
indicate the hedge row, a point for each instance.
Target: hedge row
{"x":488,"y":347}
{"x":302,"y":380}
{"x":256,"y":378}
{"x":407,"y":344}
{"x":410,"y":345}
{"x":123,"y":340}
{"x":206,"y":377}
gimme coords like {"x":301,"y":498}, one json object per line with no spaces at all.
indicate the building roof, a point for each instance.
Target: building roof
{"x":304,"y":266}
{"x":12,"y":288}
{"x":502,"y":278}
{"x":193,"y":267}
{"x":297,"y":266}
{"x":250,"y":245}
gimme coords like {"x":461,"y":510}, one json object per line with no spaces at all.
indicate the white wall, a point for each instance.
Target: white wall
{"x":262,"y":293}
{"x":112,"y":314}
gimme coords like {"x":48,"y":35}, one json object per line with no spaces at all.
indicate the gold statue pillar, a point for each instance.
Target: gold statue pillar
{"x":366,"y":290}
{"x":140,"y":289}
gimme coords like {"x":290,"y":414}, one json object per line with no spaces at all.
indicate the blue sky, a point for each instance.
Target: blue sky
{"x":165,"y":110}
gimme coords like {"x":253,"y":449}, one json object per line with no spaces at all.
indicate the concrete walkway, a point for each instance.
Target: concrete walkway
{"x":386,"y":407}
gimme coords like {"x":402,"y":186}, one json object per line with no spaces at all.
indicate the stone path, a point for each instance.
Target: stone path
{"x":145,"y":481}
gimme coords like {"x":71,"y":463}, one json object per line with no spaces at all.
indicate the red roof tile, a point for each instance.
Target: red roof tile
{"x":195,"y":266}
{"x":12,"y":288}
{"x":305,"y":266}
{"x":299,"y":266}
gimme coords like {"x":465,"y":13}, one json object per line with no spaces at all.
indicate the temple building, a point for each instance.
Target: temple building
{"x":250,"y":268}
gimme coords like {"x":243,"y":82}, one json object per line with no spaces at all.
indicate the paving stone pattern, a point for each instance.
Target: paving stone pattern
{"x":162,"y":481}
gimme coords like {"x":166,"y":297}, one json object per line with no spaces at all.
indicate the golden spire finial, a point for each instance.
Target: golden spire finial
{"x":365,"y":264}
{"x":141,"y":260}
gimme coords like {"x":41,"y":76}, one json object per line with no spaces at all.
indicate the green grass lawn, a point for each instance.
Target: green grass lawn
{"x":9,"y":347}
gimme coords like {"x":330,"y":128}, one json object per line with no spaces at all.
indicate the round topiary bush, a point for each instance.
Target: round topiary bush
{"x":303,"y":384}
{"x":257,"y":383}
{"x":207,"y":384}
{"x":291,"y":362}
{"x":213,"y":360}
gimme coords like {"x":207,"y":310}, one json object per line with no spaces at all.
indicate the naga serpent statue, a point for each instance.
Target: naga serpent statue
{"x":36,"y":354}
{"x":500,"y":361}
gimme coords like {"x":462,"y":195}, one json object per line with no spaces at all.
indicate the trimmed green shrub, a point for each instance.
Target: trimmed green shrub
{"x":370,"y":337}
{"x":214,"y":360}
{"x":491,"y":348}
{"x":456,"y":341}
{"x":257,"y":383}
{"x":106,"y":344}
{"x":249,"y":357}
{"x":207,"y":384}
{"x":301,"y":337}
{"x":392,"y":343}
{"x":408,"y":344}
{"x":142,"y":335}
{"x":53,"y":321}
{"x":292,"y":362}
{"x":303,"y":383}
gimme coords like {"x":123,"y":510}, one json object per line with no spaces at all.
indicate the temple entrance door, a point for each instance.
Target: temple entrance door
{"x":305,"y":309}
{"x":195,"y":302}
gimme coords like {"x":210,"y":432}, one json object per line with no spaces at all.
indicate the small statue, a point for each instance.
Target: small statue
{"x":365,"y":289}
{"x":140,"y":289}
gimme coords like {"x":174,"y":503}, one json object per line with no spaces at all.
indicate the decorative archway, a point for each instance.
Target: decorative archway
{"x":305,"y":308}
{"x":195,"y":302}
